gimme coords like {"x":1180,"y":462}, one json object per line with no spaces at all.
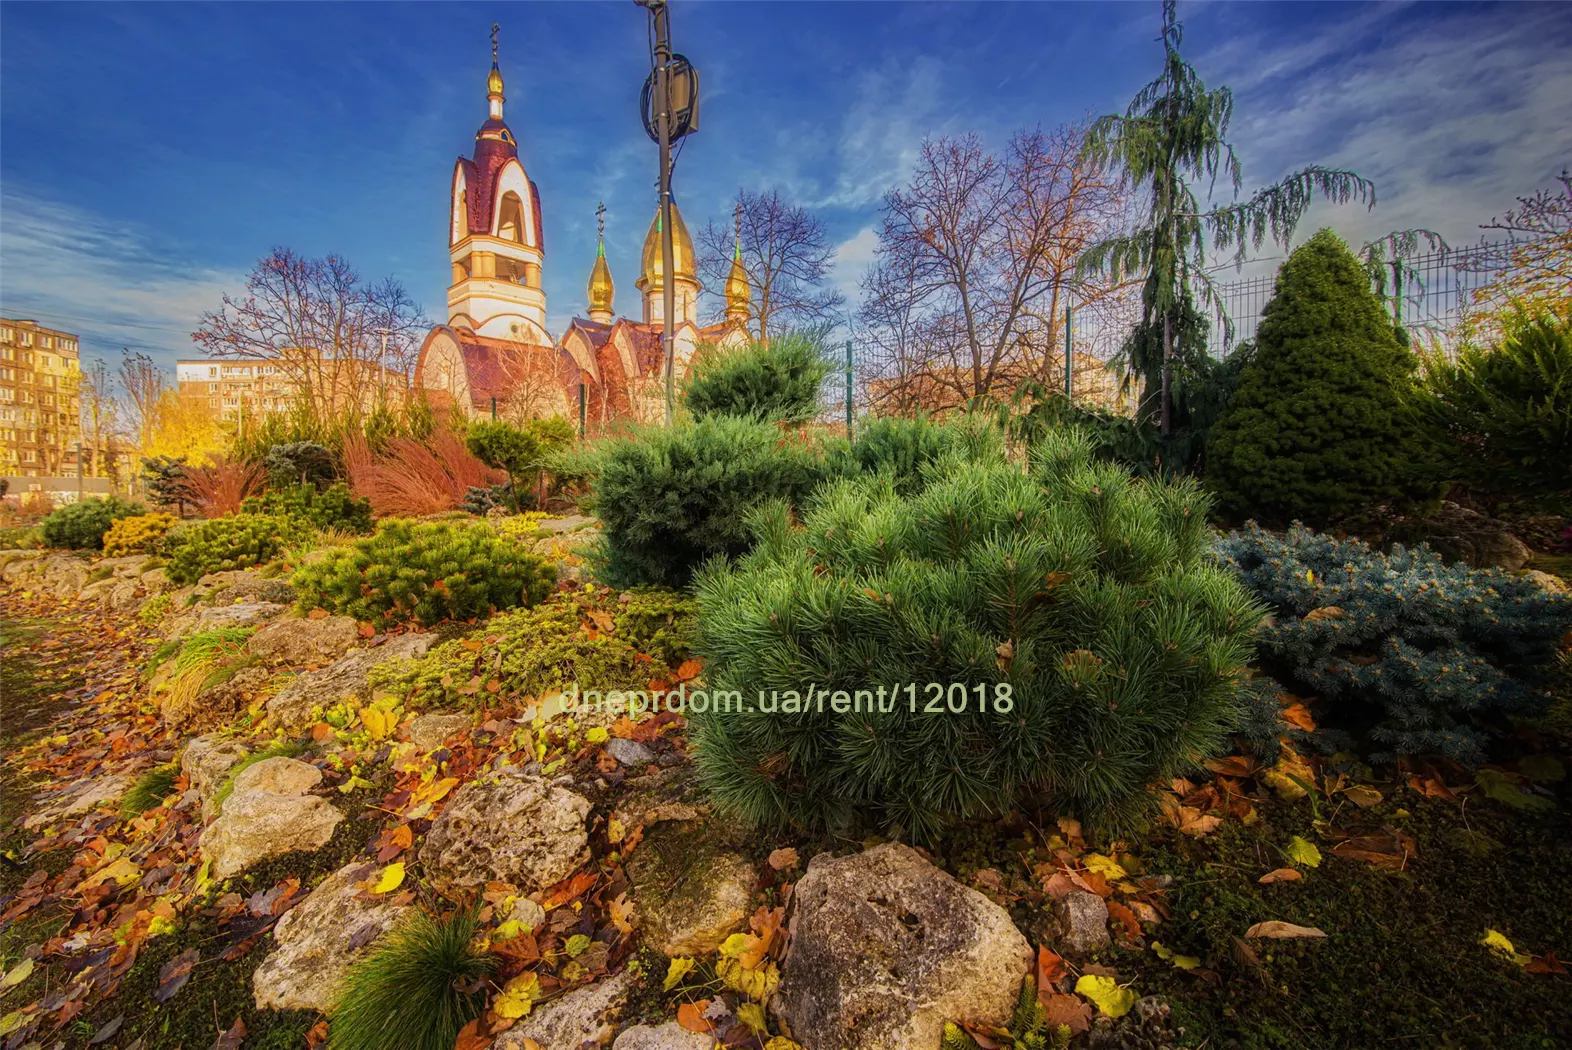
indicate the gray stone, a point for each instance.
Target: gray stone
{"x":885,"y":948}
{"x":585,"y":1014}
{"x":567,"y":523}
{"x":629,"y":752}
{"x":1083,"y":922}
{"x":208,"y":617}
{"x":268,"y":815}
{"x":302,"y":640}
{"x":511,"y":828}
{"x":1460,"y":534}
{"x":318,"y":940}
{"x":669,"y":1036}
{"x":243,"y":585}
{"x":692,"y":888}
{"x":343,"y":679}
{"x":156,"y":581}
{"x":206,"y":762}
{"x":431,"y":731}
{"x":128,"y":566}
{"x":1553,"y":584}
{"x":126,"y":596}
{"x":77,"y":798}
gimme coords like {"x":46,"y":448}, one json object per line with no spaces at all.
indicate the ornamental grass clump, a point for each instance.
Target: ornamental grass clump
{"x":1416,"y":654}
{"x":425,"y":572}
{"x":418,"y":986}
{"x":1081,"y":641}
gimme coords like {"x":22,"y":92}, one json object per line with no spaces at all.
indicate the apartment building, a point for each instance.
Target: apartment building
{"x":40,"y":372}
{"x":236,"y":389}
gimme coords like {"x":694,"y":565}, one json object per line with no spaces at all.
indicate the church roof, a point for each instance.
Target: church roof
{"x":497,"y":366}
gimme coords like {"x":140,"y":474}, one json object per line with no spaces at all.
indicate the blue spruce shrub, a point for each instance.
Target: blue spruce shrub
{"x":1415,"y":652}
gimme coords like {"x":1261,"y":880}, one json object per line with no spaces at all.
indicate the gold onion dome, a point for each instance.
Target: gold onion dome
{"x":494,"y":81}
{"x":601,"y":288}
{"x":739,"y":293}
{"x":681,"y":251}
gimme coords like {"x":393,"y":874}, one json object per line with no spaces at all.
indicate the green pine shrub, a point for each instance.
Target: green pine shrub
{"x":335,"y":507}
{"x":418,"y":986}
{"x":670,"y":497}
{"x":600,"y":640}
{"x":138,"y":534}
{"x":518,"y":451}
{"x":81,"y":525}
{"x":236,"y":541}
{"x":1415,"y":654}
{"x":1321,"y":424}
{"x":1503,"y":414}
{"x":777,"y":381}
{"x":1087,"y":597}
{"x":425,"y":572}
{"x":902,"y":449}
{"x":298,"y":463}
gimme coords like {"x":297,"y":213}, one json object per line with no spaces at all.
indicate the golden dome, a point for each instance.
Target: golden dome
{"x":601,"y":288}
{"x":739,"y":292}
{"x":681,"y":251}
{"x":494,"y":81}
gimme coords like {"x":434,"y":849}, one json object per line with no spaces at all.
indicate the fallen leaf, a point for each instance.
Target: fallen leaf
{"x":17,"y":975}
{"x":1278,"y":930}
{"x":518,"y":997}
{"x":1291,"y":777}
{"x":783,"y":859}
{"x":174,"y":975}
{"x":1111,"y":998}
{"x":1498,"y":944}
{"x":1233,"y":766}
{"x":1050,"y":967}
{"x":1281,"y":875}
{"x":232,"y":1039}
{"x":676,"y":970}
{"x":1298,"y":716}
{"x":1105,"y":866}
{"x":1067,"y":1010}
{"x":1362,"y":796}
{"x":106,"y":1033}
{"x":691,"y":1016}
{"x":391,"y":879}
{"x":1301,"y":851}
{"x":1547,"y":963}
{"x":1181,"y":962}
{"x":752,"y":1015}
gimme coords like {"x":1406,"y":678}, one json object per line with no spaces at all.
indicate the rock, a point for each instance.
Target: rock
{"x":206,"y":762}
{"x":243,"y":585}
{"x":62,"y":575}
{"x":629,"y":752}
{"x":430,"y":731}
{"x":318,"y":940}
{"x":1083,"y":922}
{"x":1553,"y":584}
{"x":267,"y":815}
{"x":885,"y":948}
{"x":76,"y":798}
{"x":692,"y":888}
{"x":126,"y":596}
{"x":669,"y":1036}
{"x":343,"y":679}
{"x":98,"y":591}
{"x":1460,"y":534}
{"x":215,"y":706}
{"x":567,"y":523}
{"x":1146,"y":1027}
{"x":128,"y":566}
{"x":156,"y":581}
{"x":300,"y":640}
{"x":585,"y":1014}
{"x":14,"y":564}
{"x":514,"y":828}
{"x":208,"y":617}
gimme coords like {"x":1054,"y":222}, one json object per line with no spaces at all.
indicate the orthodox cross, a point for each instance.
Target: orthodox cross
{"x":494,"y":28}
{"x":600,"y":218}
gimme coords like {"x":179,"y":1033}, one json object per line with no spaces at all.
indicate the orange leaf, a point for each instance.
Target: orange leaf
{"x":473,"y":644}
{"x":1547,"y":963}
{"x":1050,"y":967}
{"x":691,"y":1016}
{"x":321,"y":731}
{"x":366,"y":630}
{"x":1232,"y":766}
{"x":689,"y":670}
{"x":1298,"y":715}
{"x":1126,"y":919}
{"x":1068,"y":1010}
{"x":1280,"y":875}
{"x":469,"y":1037}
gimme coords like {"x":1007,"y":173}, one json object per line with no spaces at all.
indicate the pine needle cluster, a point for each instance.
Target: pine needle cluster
{"x":236,"y":541}
{"x":1419,"y":653}
{"x":425,"y":572}
{"x":1090,"y":594}
{"x":777,"y":381}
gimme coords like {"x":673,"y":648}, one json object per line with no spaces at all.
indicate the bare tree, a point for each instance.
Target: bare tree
{"x":144,"y":383}
{"x":976,"y":262}
{"x":100,"y":412}
{"x":321,"y":326}
{"x":1531,"y":268}
{"x":787,"y":256}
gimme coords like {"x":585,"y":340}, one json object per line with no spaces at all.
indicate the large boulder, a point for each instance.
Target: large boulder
{"x":584,"y":1015}
{"x":206,"y":762}
{"x":268,"y":814}
{"x":885,"y":948}
{"x":515,"y":828}
{"x":669,"y":1036}
{"x":343,"y":679}
{"x":209,"y":617}
{"x":1460,"y":534}
{"x":318,"y":940}
{"x":302,"y":640}
{"x":692,"y":887}
{"x":243,"y":585}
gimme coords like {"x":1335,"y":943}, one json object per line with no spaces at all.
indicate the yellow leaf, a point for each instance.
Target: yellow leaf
{"x":17,"y":975}
{"x":518,"y":997}
{"x":1276,"y":929}
{"x":509,"y":930}
{"x":1110,"y":997}
{"x":1362,"y":796}
{"x":1291,"y":777}
{"x":576,"y":945}
{"x":615,"y":831}
{"x":676,"y":970}
{"x":758,"y":983}
{"x":752,"y":1015}
{"x":392,"y":878}
{"x":379,"y":724}
{"x":1303,"y":852}
{"x":1183,"y":962}
{"x":598,"y":735}
{"x":122,"y":870}
{"x":1106,"y":865}
{"x":1497,"y":942}
{"x":780,"y":1042}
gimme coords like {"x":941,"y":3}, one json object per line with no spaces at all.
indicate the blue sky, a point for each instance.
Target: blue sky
{"x":150,"y":153}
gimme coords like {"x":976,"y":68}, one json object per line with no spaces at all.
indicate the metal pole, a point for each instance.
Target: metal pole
{"x":1069,"y":359}
{"x":493,"y":410}
{"x":1397,"y":290}
{"x":661,"y":14}
{"x":848,"y":389}
{"x":79,"y":472}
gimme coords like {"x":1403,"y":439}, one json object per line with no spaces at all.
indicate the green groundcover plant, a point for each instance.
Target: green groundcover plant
{"x":425,"y":572}
{"x":1419,"y":655}
{"x":81,"y":525}
{"x":1082,"y":641}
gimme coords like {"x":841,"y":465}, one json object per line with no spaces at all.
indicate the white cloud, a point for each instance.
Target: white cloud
{"x":853,"y":256}
{"x":110,"y":284}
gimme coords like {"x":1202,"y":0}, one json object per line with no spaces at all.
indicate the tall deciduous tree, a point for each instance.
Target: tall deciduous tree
{"x":1532,"y":264}
{"x":1174,"y":132}
{"x":787,"y":256}
{"x":976,"y":262}
{"x":145,"y":384}
{"x":100,"y":413}
{"x":323,"y":327}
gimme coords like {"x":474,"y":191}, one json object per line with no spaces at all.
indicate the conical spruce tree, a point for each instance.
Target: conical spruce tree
{"x":1079,"y":639}
{"x":1320,"y":425}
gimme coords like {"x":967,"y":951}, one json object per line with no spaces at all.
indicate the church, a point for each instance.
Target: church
{"x":496,"y":354}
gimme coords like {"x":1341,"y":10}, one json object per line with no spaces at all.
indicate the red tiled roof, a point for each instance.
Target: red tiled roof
{"x":496,"y":367}
{"x":480,"y":179}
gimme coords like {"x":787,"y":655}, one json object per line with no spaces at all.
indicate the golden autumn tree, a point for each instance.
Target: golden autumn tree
{"x":181,"y":426}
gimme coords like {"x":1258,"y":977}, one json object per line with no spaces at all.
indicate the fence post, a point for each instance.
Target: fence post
{"x":581,"y":409}
{"x":848,"y":389}
{"x":1069,"y":357}
{"x":493,"y":410}
{"x":1397,"y":290}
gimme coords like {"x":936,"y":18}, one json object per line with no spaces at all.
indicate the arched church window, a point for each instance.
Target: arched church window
{"x":510,"y":224}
